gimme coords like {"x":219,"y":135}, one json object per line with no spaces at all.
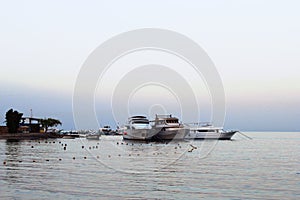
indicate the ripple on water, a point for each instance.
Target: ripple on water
{"x":262,"y":168}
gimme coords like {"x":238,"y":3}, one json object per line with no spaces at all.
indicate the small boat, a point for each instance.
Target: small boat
{"x":170,"y":128}
{"x":106,"y":130}
{"x":207,"y":131}
{"x":92,"y":136}
{"x":138,"y":128}
{"x":68,"y":137}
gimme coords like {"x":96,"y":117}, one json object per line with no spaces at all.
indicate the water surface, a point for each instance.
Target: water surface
{"x":266,"y":167}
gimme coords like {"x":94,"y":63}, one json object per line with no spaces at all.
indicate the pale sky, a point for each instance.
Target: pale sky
{"x":255,"y":46}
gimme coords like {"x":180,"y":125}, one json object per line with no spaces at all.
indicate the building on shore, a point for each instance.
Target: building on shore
{"x":30,"y":125}
{"x":3,"y":129}
{"x":27,"y":125}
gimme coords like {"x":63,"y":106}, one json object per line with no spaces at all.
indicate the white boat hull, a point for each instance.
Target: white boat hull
{"x":210,"y":135}
{"x":172,"y":134}
{"x":139,"y":134}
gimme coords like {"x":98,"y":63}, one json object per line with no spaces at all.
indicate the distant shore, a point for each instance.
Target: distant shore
{"x":28,"y":136}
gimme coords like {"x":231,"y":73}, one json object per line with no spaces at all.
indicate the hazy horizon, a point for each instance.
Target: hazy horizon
{"x":253,"y":44}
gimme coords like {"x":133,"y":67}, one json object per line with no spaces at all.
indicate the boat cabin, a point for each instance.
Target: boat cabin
{"x":138,"y":120}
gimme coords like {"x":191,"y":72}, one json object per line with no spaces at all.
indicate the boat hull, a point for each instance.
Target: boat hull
{"x":139,"y":134}
{"x":210,"y":135}
{"x":68,"y":137}
{"x":172,"y":134}
{"x":93,"y":137}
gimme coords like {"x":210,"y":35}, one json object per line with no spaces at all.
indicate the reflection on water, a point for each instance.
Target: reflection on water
{"x":13,"y":153}
{"x":266,"y":167}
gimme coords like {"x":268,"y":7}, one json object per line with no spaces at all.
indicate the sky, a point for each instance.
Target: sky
{"x":254,"y":45}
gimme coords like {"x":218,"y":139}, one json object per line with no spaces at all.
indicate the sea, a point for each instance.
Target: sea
{"x":257,"y":165}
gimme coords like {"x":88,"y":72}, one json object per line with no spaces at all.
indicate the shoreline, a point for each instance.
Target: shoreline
{"x":28,"y":136}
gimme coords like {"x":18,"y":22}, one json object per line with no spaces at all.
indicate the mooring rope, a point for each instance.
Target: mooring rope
{"x":245,"y":135}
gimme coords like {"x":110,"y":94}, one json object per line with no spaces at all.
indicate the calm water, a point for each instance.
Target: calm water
{"x":266,"y":167}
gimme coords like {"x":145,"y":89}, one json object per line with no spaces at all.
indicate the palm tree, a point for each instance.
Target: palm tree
{"x":49,"y":122}
{"x":13,"y":119}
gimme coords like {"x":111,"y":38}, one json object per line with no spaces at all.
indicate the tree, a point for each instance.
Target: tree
{"x":13,"y":119}
{"x":49,"y":122}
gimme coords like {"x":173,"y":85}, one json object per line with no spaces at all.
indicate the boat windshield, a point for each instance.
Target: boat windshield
{"x":172,"y":121}
{"x":144,"y":121}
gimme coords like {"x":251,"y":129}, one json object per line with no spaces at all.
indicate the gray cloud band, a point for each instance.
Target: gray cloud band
{"x":111,"y":50}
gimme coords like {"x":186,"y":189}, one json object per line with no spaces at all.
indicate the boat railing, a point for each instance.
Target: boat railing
{"x":201,"y":124}
{"x":162,"y":121}
{"x":163,"y":116}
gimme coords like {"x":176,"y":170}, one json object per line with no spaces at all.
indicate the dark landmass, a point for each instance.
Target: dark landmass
{"x":28,"y":136}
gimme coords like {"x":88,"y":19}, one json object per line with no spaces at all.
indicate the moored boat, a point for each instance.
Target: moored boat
{"x":68,"y":137}
{"x":93,"y":136}
{"x":170,"y":128}
{"x":138,"y":128}
{"x":208,"y":131}
{"x":106,"y":130}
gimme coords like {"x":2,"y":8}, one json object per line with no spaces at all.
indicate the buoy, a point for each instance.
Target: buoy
{"x":59,"y":159}
{"x":82,"y":147}
{"x":84,"y":157}
{"x":129,"y":154}
{"x":53,"y":142}
{"x":65,"y":148}
{"x":175,"y":148}
{"x":96,"y":147}
{"x":73,"y":158}
{"x":119,"y":155}
{"x":59,"y":142}
{"x":20,"y":161}
{"x":33,"y":161}
{"x":31,"y":146}
{"x":90,"y":148}
{"x":117,"y":143}
{"x":109,"y":156}
{"x":47,"y":159}
{"x":4,"y":162}
{"x":65,"y":145}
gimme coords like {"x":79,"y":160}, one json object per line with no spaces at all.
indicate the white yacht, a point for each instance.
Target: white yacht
{"x":207,"y":131}
{"x":106,"y":130}
{"x":170,"y":128}
{"x":138,"y":128}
